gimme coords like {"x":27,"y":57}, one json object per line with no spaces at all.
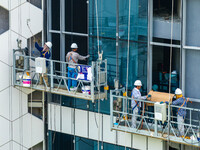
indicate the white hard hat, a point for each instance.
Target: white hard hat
{"x":178,"y":91}
{"x":74,"y":46}
{"x":48,"y":44}
{"x":138,"y":83}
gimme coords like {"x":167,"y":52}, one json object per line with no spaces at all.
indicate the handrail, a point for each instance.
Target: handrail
{"x":151,"y":127}
{"x":59,"y":77}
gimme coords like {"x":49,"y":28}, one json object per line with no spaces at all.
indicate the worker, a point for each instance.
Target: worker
{"x":136,"y":104}
{"x":45,"y":53}
{"x":181,"y":112}
{"x":72,"y":57}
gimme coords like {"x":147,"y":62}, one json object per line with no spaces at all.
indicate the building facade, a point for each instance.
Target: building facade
{"x":156,"y":37}
{"x":154,"y":41}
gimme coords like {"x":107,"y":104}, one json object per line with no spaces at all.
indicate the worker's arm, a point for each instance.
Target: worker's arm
{"x":178,"y":101}
{"x":80,"y":57}
{"x":38,"y":47}
{"x":67,"y":57}
{"x":143,"y":97}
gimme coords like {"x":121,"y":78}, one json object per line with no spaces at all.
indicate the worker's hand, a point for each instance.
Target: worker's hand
{"x":161,"y":102}
{"x":148,"y":96}
{"x":87,"y":56}
{"x":167,"y":103}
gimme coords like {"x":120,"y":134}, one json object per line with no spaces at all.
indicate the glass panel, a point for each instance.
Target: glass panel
{"x":55,"y":53}
{"x":161,"y":67}
{"x":107,"y":28}
{"x":192,"y":23}
{"x":162,"y":12}
{"x":192,"y":71}
{"x":106,"y":18}
{"x":138,"y":19}
{"x":137,"y":64}
{"x":60,"y":141}
{"x":80,"y":41}
{"x":55,"y":6}
{"x":76,"y":16}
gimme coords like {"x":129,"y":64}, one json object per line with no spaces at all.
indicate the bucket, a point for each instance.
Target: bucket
{"x":26,"y":80}
{"x":86,"y":90}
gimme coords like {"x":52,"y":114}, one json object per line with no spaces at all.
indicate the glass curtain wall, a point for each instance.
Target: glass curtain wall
{"x":80,"y":26}
{"x":62,"y":141}
{"x":106,"y":12}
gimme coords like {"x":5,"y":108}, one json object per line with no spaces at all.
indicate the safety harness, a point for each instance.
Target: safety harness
{"x":70,"y":58}
{"x":45,"y":54}
{"x":185,"y":101}
{"x":136,"y":105}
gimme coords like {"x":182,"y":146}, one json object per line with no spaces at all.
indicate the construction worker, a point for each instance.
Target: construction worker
{"x":45,"y":53}
{"x":73,"y":57}
{"x":136,"y":104}
{"x":181,"y":112}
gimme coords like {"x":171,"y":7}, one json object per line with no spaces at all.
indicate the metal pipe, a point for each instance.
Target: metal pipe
{"x":117,"y":39}
{"x":43,"y":117}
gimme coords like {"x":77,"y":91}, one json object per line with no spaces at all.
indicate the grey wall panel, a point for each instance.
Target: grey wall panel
{"x":193,"y":23}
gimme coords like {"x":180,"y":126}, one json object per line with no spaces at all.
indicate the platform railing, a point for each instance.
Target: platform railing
{"x":122,"y":113}
{"x":57,"y":74}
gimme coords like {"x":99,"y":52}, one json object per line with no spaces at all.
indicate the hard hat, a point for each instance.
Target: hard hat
{"x":178,"y":91}
{"x":138,"y":83}
{"x":74,"y":46}
{"x":48,"y":44}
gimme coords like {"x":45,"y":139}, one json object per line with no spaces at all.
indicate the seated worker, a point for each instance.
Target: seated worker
{"x":181,"y":112}
{"x":136,"y":104}
{"x":73,"y":57}
{"x":45,"y":53}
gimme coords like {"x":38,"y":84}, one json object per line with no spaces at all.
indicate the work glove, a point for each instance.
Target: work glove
{"x":161,"y":102}
{"x":87,"y":56}
{"x":148,"y":96}
{"x":167,"y":103}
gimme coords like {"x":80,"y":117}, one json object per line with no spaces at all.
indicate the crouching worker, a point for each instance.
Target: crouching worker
{"x":45,"y":53}
{"x":136,"y":104}
{"x":181,"y":112}
{"x":73,"y":57}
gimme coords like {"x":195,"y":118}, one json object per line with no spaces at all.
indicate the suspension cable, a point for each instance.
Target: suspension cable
{"x":98,"y":67}
{"x":170,"y":70}
{"x":128,"y":49}
{"x":29,"y":13}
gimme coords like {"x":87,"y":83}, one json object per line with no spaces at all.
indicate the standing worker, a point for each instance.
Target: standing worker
{"x":136,"y":104}
{"x":45,"y":53}
{"x":181,"y":113}
{"x":73,"y":57}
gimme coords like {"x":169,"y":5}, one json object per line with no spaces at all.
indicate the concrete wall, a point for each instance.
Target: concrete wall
{"x":19,"y":129}
{"x":61,"y":119}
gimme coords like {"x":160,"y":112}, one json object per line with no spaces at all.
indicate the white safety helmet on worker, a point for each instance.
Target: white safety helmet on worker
{"x":48,"y":44}
{"x":74,"y":46}
{"x":178,"y":91}
{"x":138,"y":83}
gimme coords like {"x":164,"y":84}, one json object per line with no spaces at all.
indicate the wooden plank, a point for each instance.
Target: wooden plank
{"x":159,"y":97}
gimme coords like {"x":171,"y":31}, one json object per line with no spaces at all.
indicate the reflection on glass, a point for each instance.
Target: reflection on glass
{"x":161,"y":67}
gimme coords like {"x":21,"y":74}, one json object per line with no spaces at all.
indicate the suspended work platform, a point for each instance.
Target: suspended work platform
{"x":52,"y":76}
{"x":148,"y":123}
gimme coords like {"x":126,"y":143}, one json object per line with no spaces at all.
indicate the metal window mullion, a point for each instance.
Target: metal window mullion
{"x":165,"y":44}
{"x":149,"y":54}
{"x":183,"y":44}
{"x":62,"y":36}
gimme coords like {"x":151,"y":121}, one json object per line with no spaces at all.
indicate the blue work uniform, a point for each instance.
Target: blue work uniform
{"x":44,"y":54}
{"x":181,"y":114}
{"x":179,"y":102}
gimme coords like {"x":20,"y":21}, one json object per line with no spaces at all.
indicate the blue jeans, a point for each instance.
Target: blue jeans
{"x":72,"y":74}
